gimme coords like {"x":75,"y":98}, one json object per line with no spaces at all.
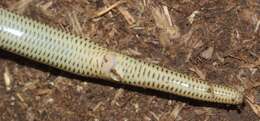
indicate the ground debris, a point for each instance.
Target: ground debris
{"x":128,"y":17}
{"x":97,"y":106}
{"x":21,"y":6}
{"x":251,"y":65}
{"x":118,"y":94}
{"x":251,"y":100}
{"x":207,"y":54}
{"x":76,"y":26}
{"x":155,"y":116}
{"x":163,"y":21}
{"x":7,"y":79}
{"x":200,"y":73}
{"x":192,"y":16}
{"x":170,"y":33}
{"x":107,"y":9}
{"x":176,"y":111}
{"x":44,"y":8}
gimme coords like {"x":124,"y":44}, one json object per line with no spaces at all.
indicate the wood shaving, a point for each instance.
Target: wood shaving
{"x":21,"y":6}
{"x":128,"y":17}
{"x":176,"y":111}
{"x":76,"y":26}
{"x":207,"y":54}
{"x":106,"y":10}
{"x":7,"y":79}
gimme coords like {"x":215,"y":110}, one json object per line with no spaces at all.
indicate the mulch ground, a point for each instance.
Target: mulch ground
{"x":217,"y":40}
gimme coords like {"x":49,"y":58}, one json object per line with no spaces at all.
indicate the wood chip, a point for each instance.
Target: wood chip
{"x":41,"y":92}
{"x":220,"y":58}
{"x":247,"y":15}
{"x":118,"y":94}
{"x":30,"y":85}
{"x":45,"y":8}
{"x":20,"y":97}
{"x":192,"y":16}
{"x":251,"y":65}
{"x":254,"y":106}
{"x":137,"y":107}
{"x":164,"y":39}
{"x":176,"y":111}
{"x":7,"y":79}
{"x":106,"y":10}
{"x":128,"y":17}
{"x":22,"y":102}
{"x":133,"y":52}
{"x":257,"y":26}
{"x":21,"y":6}
{"x":146,"y":118}
{"x":257,"y":96}
{"x":154,"y":115}
{"x":97,"y":106}
{"x":207,"y":54}
{"x":163,"y":21}
{"x":200,"y":73}
{"x":167,"y":15}
{"x":76,"y":26}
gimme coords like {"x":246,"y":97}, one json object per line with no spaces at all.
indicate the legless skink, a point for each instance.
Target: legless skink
{"x":44,"y":44}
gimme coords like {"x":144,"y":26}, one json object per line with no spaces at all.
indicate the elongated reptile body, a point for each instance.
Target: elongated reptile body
{"x":39,"y":42}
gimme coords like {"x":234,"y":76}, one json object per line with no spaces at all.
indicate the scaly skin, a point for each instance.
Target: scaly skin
{"x":44,"y":44}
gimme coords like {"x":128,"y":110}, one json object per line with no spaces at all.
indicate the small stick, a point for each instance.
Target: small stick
{"x":110,"y":8}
